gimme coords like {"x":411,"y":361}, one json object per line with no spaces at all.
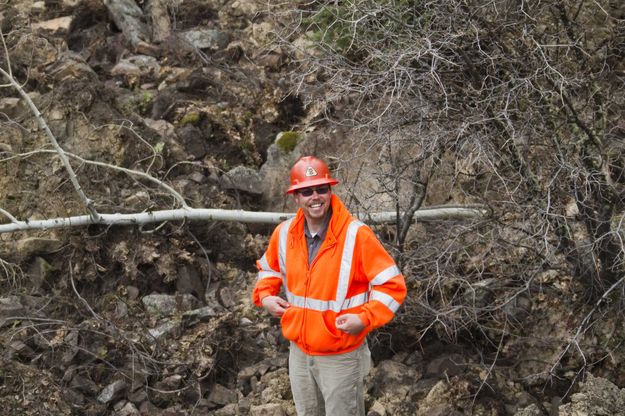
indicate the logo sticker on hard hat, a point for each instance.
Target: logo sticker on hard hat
{"x":310,"y":171}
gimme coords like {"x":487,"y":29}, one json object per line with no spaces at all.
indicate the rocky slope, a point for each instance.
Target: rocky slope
{"x":158,"y":319}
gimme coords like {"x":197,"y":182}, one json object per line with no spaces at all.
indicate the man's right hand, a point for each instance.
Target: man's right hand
{"x":275,"y":305}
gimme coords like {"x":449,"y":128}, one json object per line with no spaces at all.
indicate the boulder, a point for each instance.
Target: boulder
{"x":30,"y":246}
{"x":394,"y":378}
{"x":377,"y":409}
{"x":58,"y":25}
{"x":597,"y":396}
{"x":166,"y":305}
{"x":112,"y":392}
{"x":443,"y":398}
{"x":204,"y":314}
{"x":269,"y":409}
{"x":207,"y":39}
{"x":138,"y":66}
{"x":165,"y":330}
{"x":221,"y":396}
{"x":244,"y":179}
{"x":128,"y":409}
{"x":531,"y":410}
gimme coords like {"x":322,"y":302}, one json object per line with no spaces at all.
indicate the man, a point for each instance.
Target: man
{"x":339,"y":284}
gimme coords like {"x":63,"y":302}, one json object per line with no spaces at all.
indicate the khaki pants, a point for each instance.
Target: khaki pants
{"x":329,"y":384}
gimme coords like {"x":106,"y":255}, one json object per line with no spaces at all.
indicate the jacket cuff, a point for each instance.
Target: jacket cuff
{"x":365,"y":319}
{"x":260,"y":295}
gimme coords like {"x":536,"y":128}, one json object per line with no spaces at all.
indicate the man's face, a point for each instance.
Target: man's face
{"x":314,"y":201}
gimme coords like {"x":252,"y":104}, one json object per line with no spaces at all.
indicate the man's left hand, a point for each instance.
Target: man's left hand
{"x":350,"y":323}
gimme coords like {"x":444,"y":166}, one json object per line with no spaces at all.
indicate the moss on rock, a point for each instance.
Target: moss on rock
{"x":287,"y":140}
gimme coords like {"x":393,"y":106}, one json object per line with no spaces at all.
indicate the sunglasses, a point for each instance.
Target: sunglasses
{"x":309,"y":191}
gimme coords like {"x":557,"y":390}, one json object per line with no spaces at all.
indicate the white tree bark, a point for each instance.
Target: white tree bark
{"x":202,"y":214}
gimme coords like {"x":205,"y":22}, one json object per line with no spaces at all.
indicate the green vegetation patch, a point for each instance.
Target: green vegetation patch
{"x":192,"y":117}
{"x":287,"y":140}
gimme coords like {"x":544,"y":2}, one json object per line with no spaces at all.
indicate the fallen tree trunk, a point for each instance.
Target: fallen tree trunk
{"x":199,"y":214}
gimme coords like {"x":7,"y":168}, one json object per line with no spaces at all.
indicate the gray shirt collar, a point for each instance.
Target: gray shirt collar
{"x":314,"y":243}
{"x":324,"y":228}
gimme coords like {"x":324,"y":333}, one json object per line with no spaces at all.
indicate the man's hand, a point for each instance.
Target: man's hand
{"x":275,"y":305}
{"x":350,"y":323}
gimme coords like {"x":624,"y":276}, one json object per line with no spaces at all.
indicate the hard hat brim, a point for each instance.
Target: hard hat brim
{"x":309,"y":183}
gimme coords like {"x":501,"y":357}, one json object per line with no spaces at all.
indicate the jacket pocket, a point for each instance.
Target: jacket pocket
{"x":323,"y":337}
{"x":291,"y":323}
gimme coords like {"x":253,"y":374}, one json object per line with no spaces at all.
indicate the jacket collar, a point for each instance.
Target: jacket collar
{"x":340,"y":220}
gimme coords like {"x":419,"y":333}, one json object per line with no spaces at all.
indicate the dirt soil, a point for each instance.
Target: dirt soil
{"x":158,"y":319}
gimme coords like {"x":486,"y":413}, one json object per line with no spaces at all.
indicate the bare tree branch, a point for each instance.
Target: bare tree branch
{"x":205,"y":214}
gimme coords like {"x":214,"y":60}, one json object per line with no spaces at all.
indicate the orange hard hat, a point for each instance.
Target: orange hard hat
{"x":310,"y":171}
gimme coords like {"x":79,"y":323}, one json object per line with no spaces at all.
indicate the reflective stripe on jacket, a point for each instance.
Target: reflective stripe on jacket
{"x":352,"y":273}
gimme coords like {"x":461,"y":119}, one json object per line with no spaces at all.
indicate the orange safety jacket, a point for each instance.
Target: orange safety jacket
{"x":352,"y":273}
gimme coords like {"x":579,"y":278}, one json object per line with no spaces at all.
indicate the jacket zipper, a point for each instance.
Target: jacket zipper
{"x":308,"y":281}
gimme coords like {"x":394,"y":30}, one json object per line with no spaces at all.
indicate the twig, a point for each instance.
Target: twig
{"x":582,"y":328}
{"x":132,"y":172}
{"x":8,"y":215}
{"x":42,"y":123}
